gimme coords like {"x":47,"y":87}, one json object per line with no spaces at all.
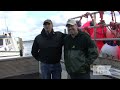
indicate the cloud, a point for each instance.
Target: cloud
{"x":28,"y":24}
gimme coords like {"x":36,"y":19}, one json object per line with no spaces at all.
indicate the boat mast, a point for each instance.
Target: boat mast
{"x":6,"y":24}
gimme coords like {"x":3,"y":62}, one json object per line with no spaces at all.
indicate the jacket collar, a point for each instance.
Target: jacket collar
{"x":47,"y":35}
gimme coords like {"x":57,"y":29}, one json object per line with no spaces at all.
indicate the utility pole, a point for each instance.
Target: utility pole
{"x":65,"y":31}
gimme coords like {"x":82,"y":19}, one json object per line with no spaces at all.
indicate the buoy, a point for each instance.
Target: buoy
{"x":110,"y":52}
{"x":88,"y":30}
{"x":119,"y":53}
{"x":100,"y":33}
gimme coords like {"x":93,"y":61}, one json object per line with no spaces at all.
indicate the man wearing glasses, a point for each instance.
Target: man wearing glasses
{"x":47,"y":48}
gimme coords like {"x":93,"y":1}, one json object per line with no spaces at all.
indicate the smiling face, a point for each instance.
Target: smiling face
{"x":72,"y":27}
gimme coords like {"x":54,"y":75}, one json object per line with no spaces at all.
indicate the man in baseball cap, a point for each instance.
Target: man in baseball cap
{"x":47,"y":48}
{"x":47,"y":21}
{"x":72,"y":27}
{"x":71,"y":22}
{"x":79,"y":52}
{"x":48,"y":26}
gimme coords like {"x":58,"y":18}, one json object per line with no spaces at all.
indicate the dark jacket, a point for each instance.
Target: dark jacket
{"x":47,"y":48}
{"x":79,"y":53}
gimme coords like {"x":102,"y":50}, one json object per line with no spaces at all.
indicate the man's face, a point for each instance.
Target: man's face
{"x":72,"y":29}
{"x":48,"y":27}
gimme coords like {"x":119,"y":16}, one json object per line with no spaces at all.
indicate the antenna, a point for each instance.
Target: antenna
{"x":6,"y":24}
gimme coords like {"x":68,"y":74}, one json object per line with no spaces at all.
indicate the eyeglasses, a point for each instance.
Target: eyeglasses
{"x":46,"y":23}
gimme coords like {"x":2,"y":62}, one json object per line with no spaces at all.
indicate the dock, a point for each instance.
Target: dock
{"x":28,"y":68}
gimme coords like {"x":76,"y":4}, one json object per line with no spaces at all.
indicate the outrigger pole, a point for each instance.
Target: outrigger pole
{"x":101,"y":25}
{"x":85,"y":14}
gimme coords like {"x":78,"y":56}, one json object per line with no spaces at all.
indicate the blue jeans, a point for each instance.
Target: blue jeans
{"x":51,"y":71}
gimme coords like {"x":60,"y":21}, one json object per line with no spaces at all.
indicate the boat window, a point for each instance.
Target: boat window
{"x":1,"y":41}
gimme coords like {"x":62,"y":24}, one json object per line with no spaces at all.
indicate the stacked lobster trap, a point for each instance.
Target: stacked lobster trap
{"x":106,"y":36}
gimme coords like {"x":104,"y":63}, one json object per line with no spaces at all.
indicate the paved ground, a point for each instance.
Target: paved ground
{"x":37,"y":76}
{"x":27,"y":76}
{"x":64,"y":75}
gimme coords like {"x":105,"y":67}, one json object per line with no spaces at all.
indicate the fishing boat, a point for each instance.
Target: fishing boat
{"x":10,"y":46}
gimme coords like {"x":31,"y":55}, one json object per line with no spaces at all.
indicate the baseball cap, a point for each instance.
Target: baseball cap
{"x":71,"y":22}
{"x":47,"y":21}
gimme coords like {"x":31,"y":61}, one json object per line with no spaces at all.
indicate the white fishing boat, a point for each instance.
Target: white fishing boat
{"x":10,"y":46}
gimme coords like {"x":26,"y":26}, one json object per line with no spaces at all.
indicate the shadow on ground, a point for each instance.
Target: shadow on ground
{"x":25,"y":76}
{"x":38,"y":76}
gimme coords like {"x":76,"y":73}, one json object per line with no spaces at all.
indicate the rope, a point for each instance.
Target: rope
{"x":101,"y":15}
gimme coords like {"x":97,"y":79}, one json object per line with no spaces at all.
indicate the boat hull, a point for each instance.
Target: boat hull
{"x":9,"y":53}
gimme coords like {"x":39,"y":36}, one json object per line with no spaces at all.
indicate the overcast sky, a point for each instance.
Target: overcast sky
{"x":28,"y":24}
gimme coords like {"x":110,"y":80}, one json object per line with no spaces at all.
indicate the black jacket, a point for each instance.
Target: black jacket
{"x":47,"y":48}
